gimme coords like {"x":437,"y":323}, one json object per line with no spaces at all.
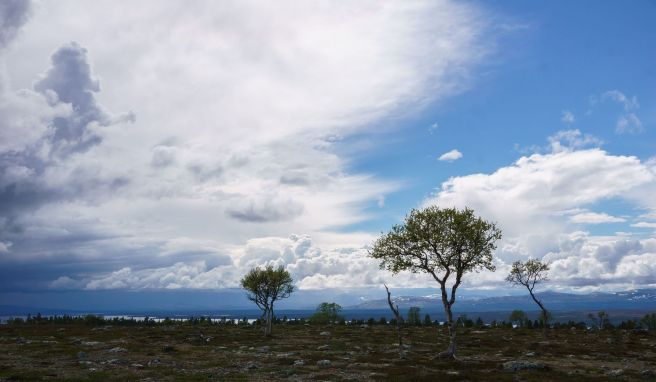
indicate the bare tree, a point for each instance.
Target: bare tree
{"x":529,"y":274}
{"x":443,"y":243}
{"x":399,"y":319}
{"x":265,"y":287}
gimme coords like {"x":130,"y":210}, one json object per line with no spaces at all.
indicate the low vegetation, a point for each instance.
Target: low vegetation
{"x":93,"y":349}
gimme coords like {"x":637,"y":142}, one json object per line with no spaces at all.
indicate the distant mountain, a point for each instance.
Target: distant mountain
{"x":640,"y":299}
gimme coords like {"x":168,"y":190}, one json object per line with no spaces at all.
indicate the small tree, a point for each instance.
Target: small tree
{"x":601,"y":320}
{"x":398,"y":321}
{"x":427,"y":320}
{"x":518,"y":317}
{"x":529,"y":274}
{"x":265,"y":286}
{"x":327,"y":313}
{"x":446,"y":244}
{"x":413,"y":316}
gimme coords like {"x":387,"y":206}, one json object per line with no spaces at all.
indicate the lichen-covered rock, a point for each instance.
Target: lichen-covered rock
{"x":513,"y":366}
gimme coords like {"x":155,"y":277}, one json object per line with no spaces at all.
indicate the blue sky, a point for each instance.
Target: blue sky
{"x":175,"y":146}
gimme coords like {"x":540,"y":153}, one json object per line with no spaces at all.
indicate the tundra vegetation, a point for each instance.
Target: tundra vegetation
{"x":445,"y":243}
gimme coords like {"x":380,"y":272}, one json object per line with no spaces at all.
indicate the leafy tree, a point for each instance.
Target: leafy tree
{"x":518,"y":317}
{"x":600,"y":320}
{"x":427,"y":320}
{"x":265,"y":286}
{"x":445,"y":243}
{"x":648,"y":321}
{"x":479,"y":323}
{"x":327,"y":312}
{"x":413,"y":316}
{"x":529,"y":274}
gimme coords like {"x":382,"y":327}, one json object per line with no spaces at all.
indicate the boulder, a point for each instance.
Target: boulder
{"x":299,"y":362}
{"x":513,"y":366}
{"x":324,"y":333}
{"x":117,"y":350}
{"x":323,"y":362}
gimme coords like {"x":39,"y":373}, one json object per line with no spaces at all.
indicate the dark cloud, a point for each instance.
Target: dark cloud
{"x":265,"y":210}
{"x":13,"y":14}
{"x":71,"y":81}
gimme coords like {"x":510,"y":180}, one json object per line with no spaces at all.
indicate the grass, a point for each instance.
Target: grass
{"x":240,"y":353}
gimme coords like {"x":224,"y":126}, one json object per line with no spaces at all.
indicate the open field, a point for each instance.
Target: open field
{"x":296,"y":352}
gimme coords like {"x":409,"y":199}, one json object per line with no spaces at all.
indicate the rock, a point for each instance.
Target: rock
{"x":615,"y":373}
{"x":323,"y":362}
{"x":522,"y":365}
{"x":299,"y":362}
{"x":403,"y":354}
{"x":154,"y":362}
{"x":90,"y":343}
{"x":82,"y":355}
{"x":169,"y":349}
{"x":530,"y":354}
{"x":263,"y":349}
{"x":117,"y":350}
{"x":363,"y":326}
{"x":323,"y":347}
{"x":452,"y":372}
{"x":647,"y":373}
{"x":324,"y":333}
{"x":251,"y":365}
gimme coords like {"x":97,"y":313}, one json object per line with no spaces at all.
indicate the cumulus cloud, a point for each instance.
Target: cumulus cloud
{"x":450,"y":156}
{"x":541,"y":199}
{"x":644,"y":225}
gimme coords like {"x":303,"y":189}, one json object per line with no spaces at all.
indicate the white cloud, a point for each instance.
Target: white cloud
{"x":644,"y":225}
{"x":539,"y":200}
{"x":565,"y":140}
{"x":450,"y":156}
{"x":628,"y":121}
{"x":595,"y":218}
{"x":567,"y":117}
{"x":238,"y":105}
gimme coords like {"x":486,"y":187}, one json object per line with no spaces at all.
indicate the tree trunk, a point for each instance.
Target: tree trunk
{"x":450,"y":351}
{"x":544,"y":313}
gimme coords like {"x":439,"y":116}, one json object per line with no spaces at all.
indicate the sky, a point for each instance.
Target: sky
{"x":169,"y":145}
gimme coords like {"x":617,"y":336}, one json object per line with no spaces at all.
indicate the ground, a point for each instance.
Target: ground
{"x":297,"y":352}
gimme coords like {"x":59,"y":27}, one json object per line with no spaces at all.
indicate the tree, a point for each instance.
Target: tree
{"x":601,"y":320}
{"x":529,"y":274}
{"x":427,"y":320}
{"x":327,"y":312}
{"x":445,"y":243}
{"x":413,"y":316}
{"x":518,"y":317}
{"x":265,"y":286}
{"x":398,"y":321}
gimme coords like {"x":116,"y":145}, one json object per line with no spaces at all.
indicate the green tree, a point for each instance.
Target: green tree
{"x":529,"y":274}
{"x":518,"y":317}
{"x":413,"y":316}
{"x":265,"y":286}
{"x":601,"y":320}
{"x":326,"y":313}
{"x":445,"y":243}
{"x":427,"y":320}
{"x":648,"y":321}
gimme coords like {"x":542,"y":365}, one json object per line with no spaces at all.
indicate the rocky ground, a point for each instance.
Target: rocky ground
{"x":299,"y":352}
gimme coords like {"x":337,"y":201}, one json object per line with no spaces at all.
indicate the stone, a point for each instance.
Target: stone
{"x":513,"y":366}
{"x":324,"y":333}
{"x":90,"y":343}
{"x":615,"y":373}
{"x":323,"y":362}
{"x":323,"y":347}
{"x":251,"y":365}
{"x":299,"y":362}
{"x":117,"y":350}
{"x":263,"y":349}
{"x":82,"y":355}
